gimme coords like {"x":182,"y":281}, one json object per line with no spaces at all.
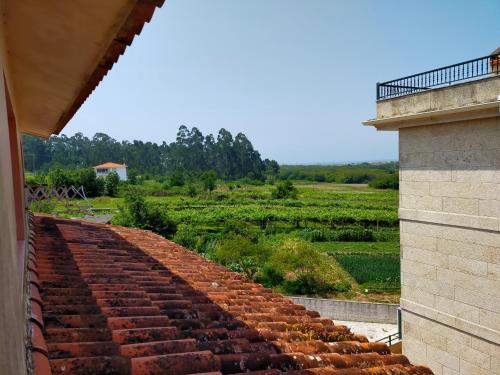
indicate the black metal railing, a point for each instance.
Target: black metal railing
{"x":391,"y":339}
{"x":467,"y":70}
{"x":394,"y":337}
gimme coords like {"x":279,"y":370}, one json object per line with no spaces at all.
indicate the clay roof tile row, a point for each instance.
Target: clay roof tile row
{"x":114,"y":300}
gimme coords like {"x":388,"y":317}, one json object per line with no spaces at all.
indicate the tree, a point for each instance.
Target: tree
{"x":285,"y":190}
{"x":136,"y":212}
{"x":209,"y":178}
{"x":177,"y":177}
{"x":111,"y":184}
{"x":88,"y":179}
{"x":192,"y":152}
{"x":58,"y":177}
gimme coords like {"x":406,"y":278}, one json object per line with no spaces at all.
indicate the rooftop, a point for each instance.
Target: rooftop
{"x":114,"y":300}
{"x":470,"y":70}
{"x":111,"y":165}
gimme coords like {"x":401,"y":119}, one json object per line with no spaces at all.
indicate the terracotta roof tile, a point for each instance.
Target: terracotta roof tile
{"x":110,"y":165}
{"x":125,"y":301}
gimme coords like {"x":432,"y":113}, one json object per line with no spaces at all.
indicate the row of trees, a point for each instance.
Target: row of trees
{"x":230,"y":158}
{"x":86,"y":177}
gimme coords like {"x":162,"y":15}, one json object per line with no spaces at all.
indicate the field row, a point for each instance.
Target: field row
{"x":216,"y":214}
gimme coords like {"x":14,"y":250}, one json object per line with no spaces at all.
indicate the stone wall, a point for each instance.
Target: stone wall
{"x":458,"y":95}
{"x":351,"y":310}
{"x":450,"y":246}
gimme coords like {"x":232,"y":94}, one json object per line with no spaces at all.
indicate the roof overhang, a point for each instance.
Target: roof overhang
{"x":443,"y":116}
{"x":55,"y":53}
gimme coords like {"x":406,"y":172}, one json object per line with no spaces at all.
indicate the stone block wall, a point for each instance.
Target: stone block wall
{"x":450,"y":245}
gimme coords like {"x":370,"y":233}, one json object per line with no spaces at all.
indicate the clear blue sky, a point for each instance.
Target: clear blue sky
{"x":296,"y":76}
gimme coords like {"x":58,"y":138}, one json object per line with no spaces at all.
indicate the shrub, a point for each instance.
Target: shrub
{"x":191,"y":191}
{"x":44,"y":206}
{"x":177,"y":177}
{"x":240,"y":228}
{"x":285,"y":190}
{"x":305,"y":270}
{"x":111,"y":182}
{"x":235,"y":247}
{"x":132,"y":176}
{"x":314,"y":235}
{"x":137,"y":213}
{"x":354,"y":235}
{"x":271,"y":277}
{"x":208,"y":178}
{"x":36,"y":179}
{"x":86,"y":177}
{"x":186,"y":236}
{"x":390,"y":181}
{"x":58,"y":177}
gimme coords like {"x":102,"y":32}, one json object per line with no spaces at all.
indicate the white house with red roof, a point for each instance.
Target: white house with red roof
{"x":103,"y":170}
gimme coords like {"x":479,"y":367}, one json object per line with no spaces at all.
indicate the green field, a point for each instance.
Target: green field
{"x":346,"y":234}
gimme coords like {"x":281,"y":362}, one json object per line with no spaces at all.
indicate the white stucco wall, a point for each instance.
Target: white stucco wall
{"x":122,"y":173}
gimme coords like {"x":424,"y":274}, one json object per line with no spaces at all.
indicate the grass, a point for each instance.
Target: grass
{"x":369,"y":248}
{"x":372,"y":271}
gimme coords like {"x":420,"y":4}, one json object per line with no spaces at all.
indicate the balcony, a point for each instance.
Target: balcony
{"x":459,"y":92}
{"x":465,"y":71}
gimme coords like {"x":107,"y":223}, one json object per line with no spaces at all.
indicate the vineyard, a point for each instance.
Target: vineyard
{"x":332,"y":240}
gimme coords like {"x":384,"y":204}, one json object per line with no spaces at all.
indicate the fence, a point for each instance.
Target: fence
{"x":467,"y":70}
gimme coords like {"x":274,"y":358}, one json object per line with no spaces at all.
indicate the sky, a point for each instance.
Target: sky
{"x":296,"y":76}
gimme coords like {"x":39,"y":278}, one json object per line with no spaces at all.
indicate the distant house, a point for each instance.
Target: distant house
{"x":104,"y":169}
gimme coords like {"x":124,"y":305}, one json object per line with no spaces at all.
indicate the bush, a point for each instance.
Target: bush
{"x":241,"y":255}
{"x":240,"y":228}
{"x":390,"y":181}
{"x":314,"y":235}
{"x":111,"y":182}
{"x":36,"y":179}
{"x":271,"y":277}
{"x":208,"y":178}
{"x":177,"y":177}
{"x":44,"y":206}
{"x":58,"y":177}
{"x":354,"y":235}
{"x":305,"y":270}
{"x":186,"y":236}
{"x":86,"y":177}
{"x":137,"y":213}
{"x":234,"y":248}
{"x":191,"y":191}
{"x":285,"y":190}
{"x":132,"y":176}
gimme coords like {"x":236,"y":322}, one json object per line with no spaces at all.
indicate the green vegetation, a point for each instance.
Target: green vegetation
{"x":285,"y":190}
{"x":136,"y":212}
{"x":329,"y":231}
{"x":187,"y":158}
{"x":372,"y":271}
{"x":346,"y":174}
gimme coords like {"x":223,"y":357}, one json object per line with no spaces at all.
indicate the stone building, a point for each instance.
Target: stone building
{"x":448,"y":121}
